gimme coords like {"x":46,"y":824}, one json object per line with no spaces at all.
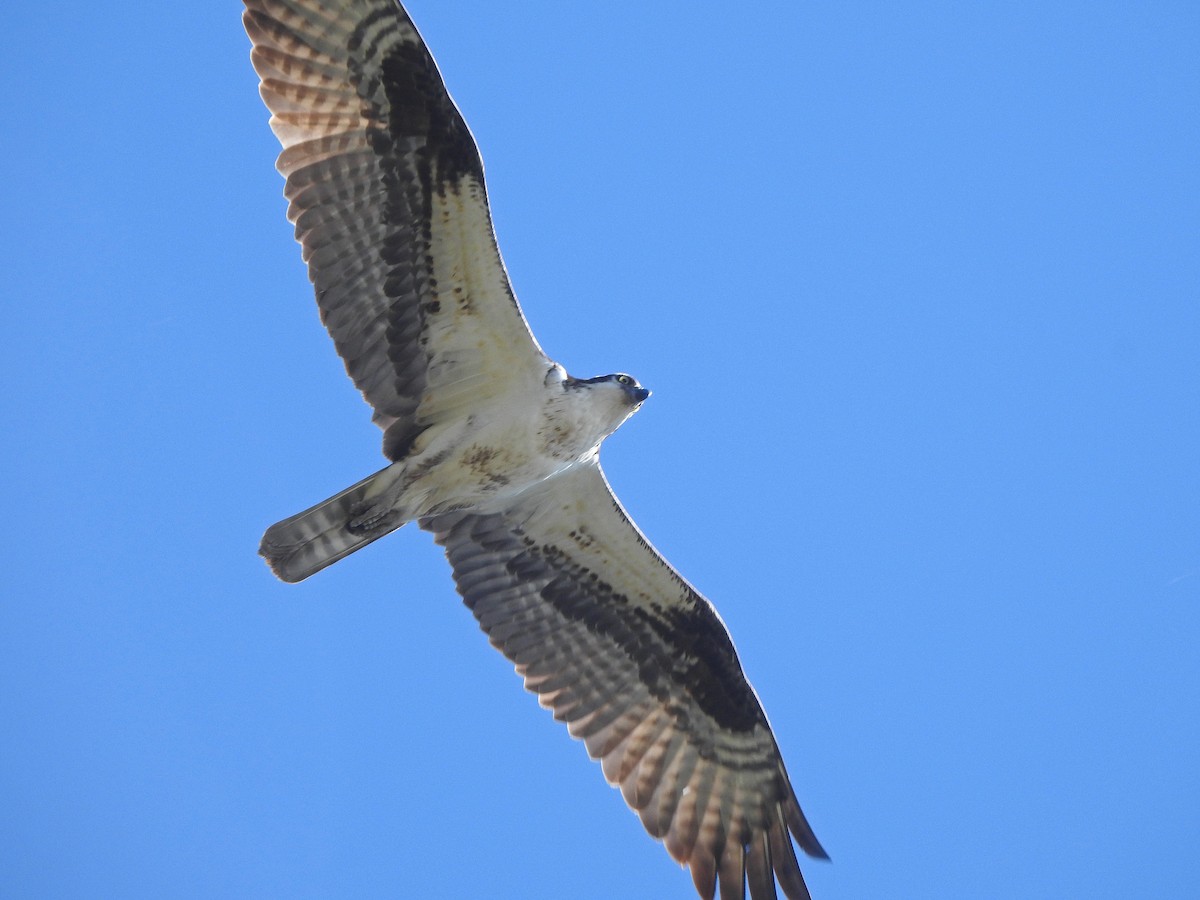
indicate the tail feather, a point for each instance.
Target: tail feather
{"x":307,"y":542}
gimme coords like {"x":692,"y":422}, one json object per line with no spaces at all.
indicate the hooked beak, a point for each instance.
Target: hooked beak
{"x":639,"y":395}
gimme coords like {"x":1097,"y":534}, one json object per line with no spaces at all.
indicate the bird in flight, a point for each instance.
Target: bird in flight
{"x":494,"y":448}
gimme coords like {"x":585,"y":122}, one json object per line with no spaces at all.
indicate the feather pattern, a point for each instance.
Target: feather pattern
{"x":640,"y":667}
{"x":385,"y":188}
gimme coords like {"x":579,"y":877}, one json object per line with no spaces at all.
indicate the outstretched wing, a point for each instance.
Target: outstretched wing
{"x":641,"y":668}
{"x":385,"y":187}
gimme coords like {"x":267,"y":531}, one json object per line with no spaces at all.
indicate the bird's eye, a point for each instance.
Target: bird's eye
{"x":624,"y":379}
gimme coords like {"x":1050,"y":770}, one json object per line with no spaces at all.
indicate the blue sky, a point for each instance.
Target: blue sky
{"x":918,"y":293}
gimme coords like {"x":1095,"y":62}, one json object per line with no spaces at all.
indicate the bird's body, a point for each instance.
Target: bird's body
{"x":494,"y":449}
{"x":479,"y":461}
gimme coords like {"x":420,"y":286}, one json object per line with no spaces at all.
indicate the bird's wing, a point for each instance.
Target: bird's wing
{"x":385,"y":187}
{"x":641,"y":668}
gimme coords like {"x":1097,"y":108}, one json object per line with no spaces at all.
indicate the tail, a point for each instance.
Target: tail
{"x":318,"y":537}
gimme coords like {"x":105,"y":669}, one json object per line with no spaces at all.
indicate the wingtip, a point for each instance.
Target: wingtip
{"x":811,"y":846}
{"x":801,"y":831}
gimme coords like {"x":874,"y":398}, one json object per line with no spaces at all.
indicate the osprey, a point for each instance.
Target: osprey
{"x":494,"y":448}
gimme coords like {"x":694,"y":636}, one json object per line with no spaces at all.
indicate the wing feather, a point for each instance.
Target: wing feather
{"x":641,"y":668}
{"x":385,"y":189}
{"x":732,"y":874}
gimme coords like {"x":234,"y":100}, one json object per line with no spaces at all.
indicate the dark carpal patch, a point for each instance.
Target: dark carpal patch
{"x":685,"y":645}
{"x":420,"y":107}
{"x":681,"y":653}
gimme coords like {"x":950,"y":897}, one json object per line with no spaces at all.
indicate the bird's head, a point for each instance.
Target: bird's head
{"x":623,"y":389}
{"x":635,"y":394}
{"x":632,"y":393}
{"x":605,"y":401}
